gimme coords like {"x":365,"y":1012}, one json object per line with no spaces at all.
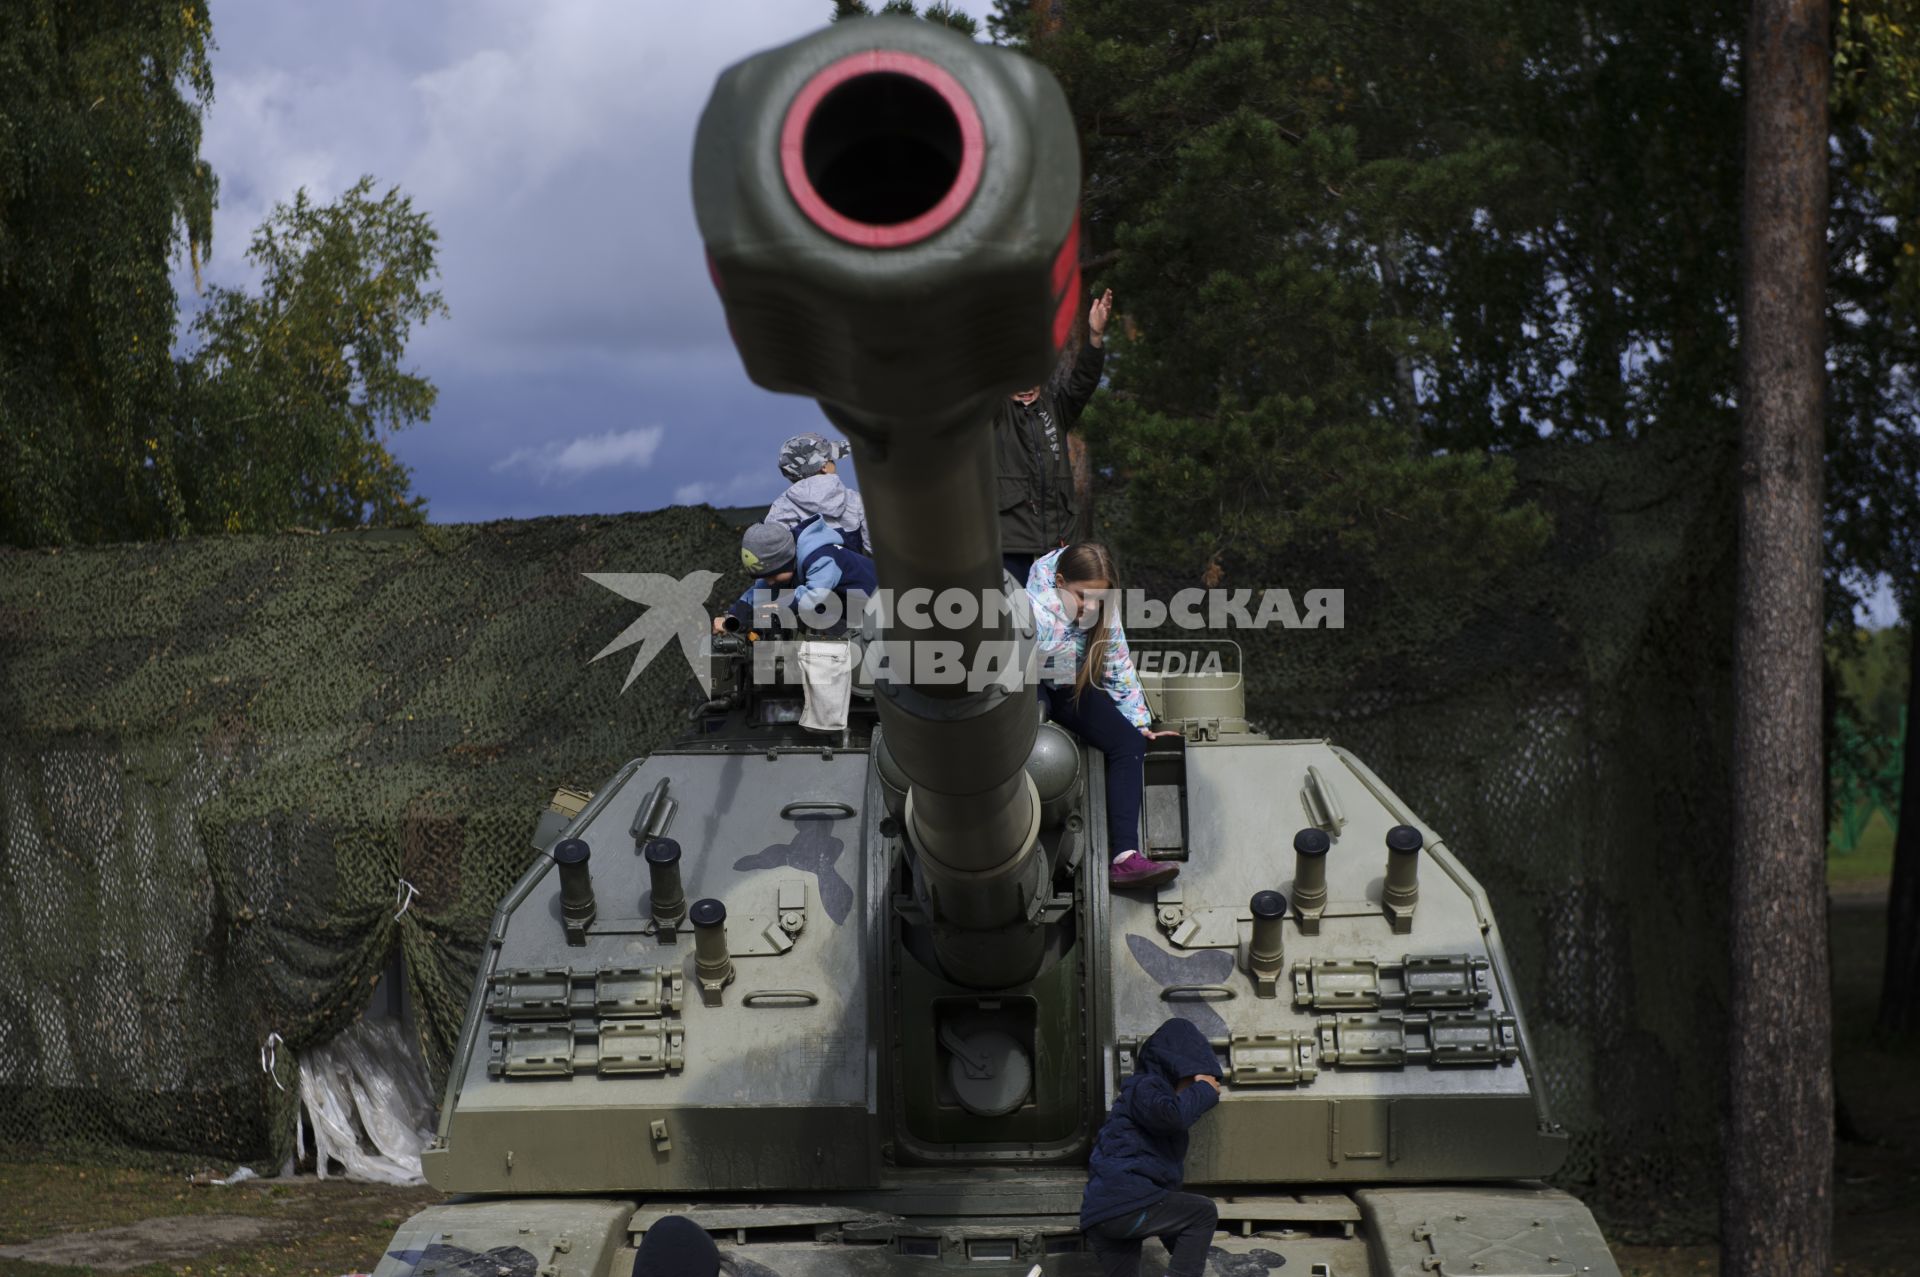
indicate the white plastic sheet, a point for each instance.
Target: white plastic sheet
{"x":365,"y":1094}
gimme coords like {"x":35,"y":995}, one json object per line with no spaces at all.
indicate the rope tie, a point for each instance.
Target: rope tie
{"x":270,"y":1058}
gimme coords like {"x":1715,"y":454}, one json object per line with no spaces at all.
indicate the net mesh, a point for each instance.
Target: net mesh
{"x":1566,"y":727}
{"x":220,"y":758}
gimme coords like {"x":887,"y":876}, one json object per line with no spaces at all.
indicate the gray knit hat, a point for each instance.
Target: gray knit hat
{"x":808,"y":454}
{"x":767,"y":547}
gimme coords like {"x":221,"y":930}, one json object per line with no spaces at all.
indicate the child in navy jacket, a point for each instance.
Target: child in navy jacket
{"x":1139,"y":1160}
{"x":815,"y":563}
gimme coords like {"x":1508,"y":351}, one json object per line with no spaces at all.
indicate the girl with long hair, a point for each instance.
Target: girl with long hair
{"x":1075,"y":591}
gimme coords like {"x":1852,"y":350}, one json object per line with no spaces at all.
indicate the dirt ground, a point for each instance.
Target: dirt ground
{"x":63,"y":1221}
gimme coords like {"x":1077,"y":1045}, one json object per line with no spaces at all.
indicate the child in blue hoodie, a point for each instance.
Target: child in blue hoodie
{"x":828,"y":580}
{"x":815,"y":562}
{"x":1139,"y":1159}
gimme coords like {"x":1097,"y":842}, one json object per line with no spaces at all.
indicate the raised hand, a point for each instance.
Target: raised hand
{"x":1098,"y":314}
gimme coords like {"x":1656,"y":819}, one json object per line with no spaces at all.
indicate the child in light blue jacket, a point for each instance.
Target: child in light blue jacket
{"x":809,"y":464}
{"x":1077,"y":626}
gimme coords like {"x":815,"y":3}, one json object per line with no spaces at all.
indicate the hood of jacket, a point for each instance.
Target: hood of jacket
{"x":821,"y":494}
{"x":1176,"y":1050}
{"x":1045,"y":572}
{"x":813,"y":534}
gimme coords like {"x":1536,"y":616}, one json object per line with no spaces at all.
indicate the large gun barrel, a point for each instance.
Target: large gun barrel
{"x":891,"y":219}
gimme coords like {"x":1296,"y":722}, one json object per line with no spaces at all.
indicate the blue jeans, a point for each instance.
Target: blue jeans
{"x":1019,"y":565}
{"x":1095,"y":719}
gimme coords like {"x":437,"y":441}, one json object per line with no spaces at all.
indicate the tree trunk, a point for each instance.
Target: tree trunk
{"x":1900,"y":985}
{"x":1777,"y":1204}
{"x":1082,"y":462}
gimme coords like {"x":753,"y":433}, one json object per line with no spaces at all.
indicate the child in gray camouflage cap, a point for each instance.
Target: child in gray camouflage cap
{"x":808,"y":461}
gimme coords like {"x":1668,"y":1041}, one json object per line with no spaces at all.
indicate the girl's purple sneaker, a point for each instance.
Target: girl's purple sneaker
{"x":1135,"y":870}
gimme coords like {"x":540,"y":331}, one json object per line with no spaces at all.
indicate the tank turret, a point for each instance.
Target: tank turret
{"x":859,"y":1003}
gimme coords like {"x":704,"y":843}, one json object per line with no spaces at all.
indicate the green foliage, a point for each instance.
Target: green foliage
{"x":1266,"y":185}
{"x":1866,"y":772}
{"x":279,"y":416}
{"x":1877,"y":89}
{"x":1870,"y":675}
{"x":291,"y":393}
{"x":939,"y":12}
{"x":1874,"y":392}
{"x":101,"y":181}
{"x":1012,"y":23}
{"x":1867,"y":751}
{"x":1597,"y":297}
{"x":1870,"y":861}
{"x":1490,"y":222}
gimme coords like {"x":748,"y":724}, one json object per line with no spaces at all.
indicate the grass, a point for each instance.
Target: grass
{"x":1872,"y":859}
{"x":314,"y":1229}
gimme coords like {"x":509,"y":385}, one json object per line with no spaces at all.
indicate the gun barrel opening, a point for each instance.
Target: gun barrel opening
{"x":882,"y":149}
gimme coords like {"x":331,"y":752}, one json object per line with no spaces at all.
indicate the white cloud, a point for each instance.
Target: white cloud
{"x":749,"y":488}
{"x":585,"y":455}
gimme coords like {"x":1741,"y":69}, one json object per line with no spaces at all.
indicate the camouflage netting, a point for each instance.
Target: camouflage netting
{"x":1567,"y":729}
{"x":218,"y":759}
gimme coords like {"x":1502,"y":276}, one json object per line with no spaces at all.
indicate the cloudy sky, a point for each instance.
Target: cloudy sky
{"x":585,"y":366}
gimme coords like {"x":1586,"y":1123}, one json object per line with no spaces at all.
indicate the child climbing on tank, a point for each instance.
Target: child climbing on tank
{"x":1139,"y":1158}
{"x":809,"y":463}
{"x":1077,"y":625}
{"x":830,"y":586}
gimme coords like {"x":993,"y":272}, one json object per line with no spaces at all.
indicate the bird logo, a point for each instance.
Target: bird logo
{"x":675,"y":609}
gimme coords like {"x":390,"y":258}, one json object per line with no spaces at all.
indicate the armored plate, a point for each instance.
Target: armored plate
{"x":1469,"y":1232}
{"x":767,"y":1086}
{"x":1381,"y":1053}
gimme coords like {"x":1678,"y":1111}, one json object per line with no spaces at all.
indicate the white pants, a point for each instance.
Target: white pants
{"x":826,"y":676}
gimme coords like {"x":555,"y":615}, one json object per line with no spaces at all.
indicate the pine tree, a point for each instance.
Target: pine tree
{"x":1261,"y":205}
{"x":1777,"y":1202}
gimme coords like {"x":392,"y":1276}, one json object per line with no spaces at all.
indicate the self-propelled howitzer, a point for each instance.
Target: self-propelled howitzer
{"x":859,"y":1004}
